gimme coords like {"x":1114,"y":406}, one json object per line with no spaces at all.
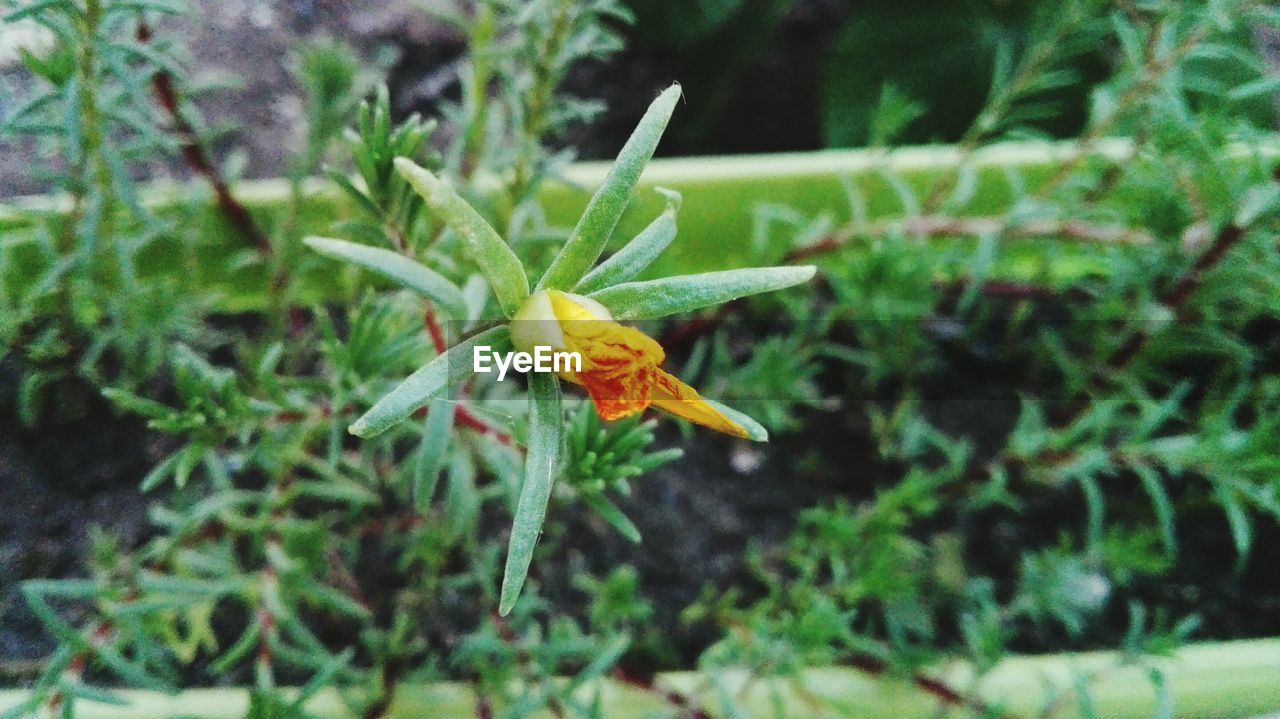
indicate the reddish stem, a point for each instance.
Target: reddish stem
{"x":464,"y":417}
{"x":197,"y":158}
{"x":647,"y":683}
{"x":433,"y":328}
{"x":934,"y":687}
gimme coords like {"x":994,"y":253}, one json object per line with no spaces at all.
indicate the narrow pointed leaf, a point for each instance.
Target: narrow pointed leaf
{"x":546,"y":429}
{"x":428,"y":382}
{"x":592,"y":232}
{"x":1239,"y":523}
{"x":414,"y":275}
{"x":1160,"y":503}
{"x":610,"y":513}
{"x":638,"y":253}
{"x":487,"y":248}
{"x":755,"y":431}
{"x":432,"y":452}
{"x":685,"y":293}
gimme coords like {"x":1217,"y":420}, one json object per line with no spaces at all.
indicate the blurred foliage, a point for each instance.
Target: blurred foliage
{"x":1040,"y":452}
{"x":952,"y":56}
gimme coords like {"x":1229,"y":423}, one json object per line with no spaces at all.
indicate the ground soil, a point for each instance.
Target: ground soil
{"x":697,"y":516}
{"x":238,"y":51}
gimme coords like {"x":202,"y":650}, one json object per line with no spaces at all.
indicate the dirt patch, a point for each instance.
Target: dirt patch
{"x":56,"y":484}
{"x":766,"y":100}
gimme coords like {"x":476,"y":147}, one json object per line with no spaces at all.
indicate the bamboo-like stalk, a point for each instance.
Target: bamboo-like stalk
{"x":1229,"y":680}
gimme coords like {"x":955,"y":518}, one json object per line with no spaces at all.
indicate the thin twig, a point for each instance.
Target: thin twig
{"x":380,"y":707}
{"x":1009,"y":290}
{"x":988,"y":120}
{"x":162,"y":86}
{"x":98,"y":636}
{"x":933,"y":226}
{"x":1175,"y":298}
{"x":433,"y":329}
{"x":462,"y":415}
{"x":1154,"y":69}
{"x":936,"y":688}
{"x":1179,"y":293}
{"x":648,"y":682}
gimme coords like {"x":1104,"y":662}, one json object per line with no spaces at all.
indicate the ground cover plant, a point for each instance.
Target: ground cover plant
{"x":1013,"y":406}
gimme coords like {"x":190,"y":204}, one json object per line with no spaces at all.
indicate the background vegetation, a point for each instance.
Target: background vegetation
{"x":1028,"y":407}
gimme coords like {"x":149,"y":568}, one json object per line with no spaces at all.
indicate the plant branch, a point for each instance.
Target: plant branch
{"x":988,"y":120}
{"x":935,"y":226}
{"x":99,"y":635}
{"x":936,"y":688}
{"x":648,"y":682}
{"x":1155,"y":68}
{"x":195,"y":155}
{"x":1175,"y":298}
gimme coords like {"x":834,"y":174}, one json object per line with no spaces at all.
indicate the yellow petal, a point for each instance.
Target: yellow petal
{"x":675,"y":397}
{"x":620,"y":365}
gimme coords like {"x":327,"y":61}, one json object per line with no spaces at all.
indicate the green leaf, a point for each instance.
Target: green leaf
{"x":638,"y":253}
{"x":462,"y":501}
{"x":603,"y":661}
{"x":755,"y":430}
{"x":685,"y":293}
{"x":436,"y":431}
{"x":1095,"y":509}
{"x":546,"y":430}
{"x":1257,"y":202}
{"x":323,"y":678}
{"x":338,"y":490}
{"x":1265,"y":87}
{"x":1238,"y":521}
{"x":80,"y":690}
{"x":592,"y":232}
{"x":487,"y":248}
{"x":414,"y":275}
{"x":37,"y":8}
{"x":1161,"y":503}
{"x":610,"y":513}
{"x":428,"y":382}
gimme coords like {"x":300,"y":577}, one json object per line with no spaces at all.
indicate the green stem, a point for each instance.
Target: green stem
{"x":717,"y":221}
{"x":1228,"y":680}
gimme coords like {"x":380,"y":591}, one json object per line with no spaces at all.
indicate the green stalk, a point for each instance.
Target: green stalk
{"x":721,"y":195}
{"x":1229,"y":680}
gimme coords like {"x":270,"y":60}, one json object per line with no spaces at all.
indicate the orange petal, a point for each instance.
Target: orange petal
{"x":618,"y":395}
{"x":677,"y":398}
{"x":620,"y":368}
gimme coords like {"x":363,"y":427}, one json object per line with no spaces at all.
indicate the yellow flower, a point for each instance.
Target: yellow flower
{"x":620,"y":365}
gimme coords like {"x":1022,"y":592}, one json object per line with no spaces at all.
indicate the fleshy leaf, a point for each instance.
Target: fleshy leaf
{"x":685,"y":293}
{"x":432,"y":451}
{"x":592,"y":232}
{"x":610,"y":513}
{"x":637,"y":254}
{"x":485,"y":246}
{"x":414,"y":275}
{"x":430,"y":380}
{"x":546,"y":433}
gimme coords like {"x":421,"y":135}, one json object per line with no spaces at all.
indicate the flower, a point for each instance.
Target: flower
{"x":620,"y":365}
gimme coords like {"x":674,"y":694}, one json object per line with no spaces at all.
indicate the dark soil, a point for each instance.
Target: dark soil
{"x":757,"y":96}
{"x":697,"y":516}
{"x":56,"y":484}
